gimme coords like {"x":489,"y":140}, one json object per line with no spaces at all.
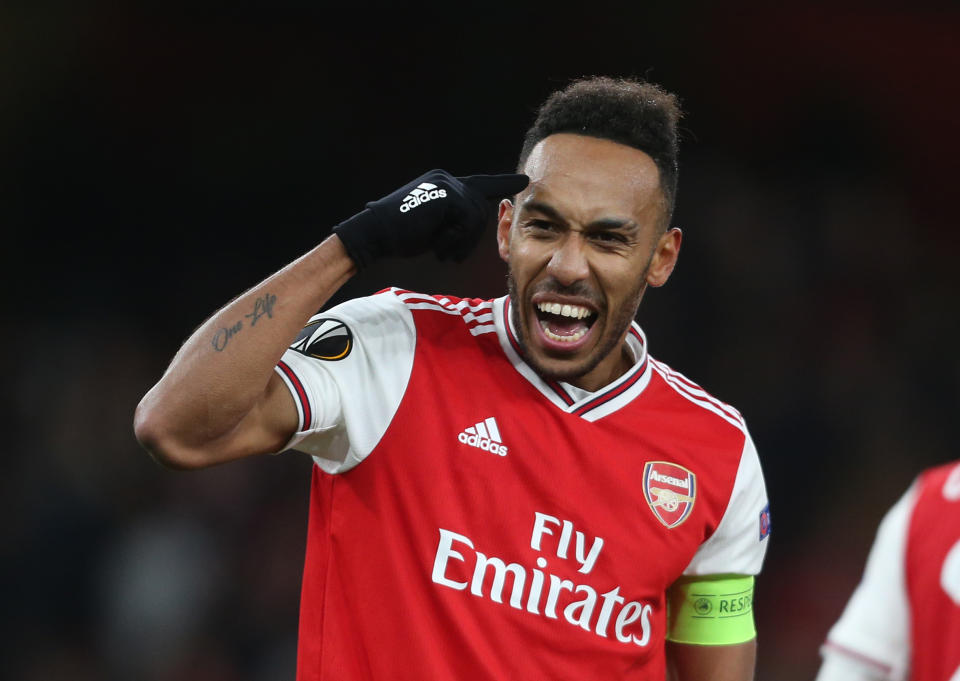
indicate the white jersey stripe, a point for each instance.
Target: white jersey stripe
{"x":432,"y":306}
{"x":709,"y":406}
{"x":479,"y":314}
{"x":420,"y":298}
{"x":463,"y":304}
{"x":484,"y":328}
{"x":696,"y":390}
{"x":411,"y":295}
{"x":444,"y":302}
{"x":486,"y":305}
{"x":703,"y":395}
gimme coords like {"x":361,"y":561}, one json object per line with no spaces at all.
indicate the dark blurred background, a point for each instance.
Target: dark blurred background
{"x":153,"y":164}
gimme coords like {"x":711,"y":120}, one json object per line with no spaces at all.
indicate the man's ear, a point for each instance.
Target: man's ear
{"x":504,"y":222}
{"x":664,"y":257}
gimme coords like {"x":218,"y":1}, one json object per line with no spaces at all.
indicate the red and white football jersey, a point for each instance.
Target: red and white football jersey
{"x":903,"y":620}
{"x":470,"y":520}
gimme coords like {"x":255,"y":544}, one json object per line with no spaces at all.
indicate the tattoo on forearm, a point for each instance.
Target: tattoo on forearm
{"x":223,"y":336}
{"x":262,"y":307}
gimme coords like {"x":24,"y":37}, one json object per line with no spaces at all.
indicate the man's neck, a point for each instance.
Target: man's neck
{"x":606,"y":372}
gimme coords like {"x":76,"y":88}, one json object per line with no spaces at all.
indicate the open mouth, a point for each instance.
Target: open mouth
{"x":563,"y":322}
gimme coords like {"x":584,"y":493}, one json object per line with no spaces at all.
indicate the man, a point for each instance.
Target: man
{"x":903,"y":620}
{"x":503,"y":489}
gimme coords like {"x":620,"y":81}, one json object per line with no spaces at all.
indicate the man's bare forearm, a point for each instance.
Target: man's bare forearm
{"x":211,"y":394}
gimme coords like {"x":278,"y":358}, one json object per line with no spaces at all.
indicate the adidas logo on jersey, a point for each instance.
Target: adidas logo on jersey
{"x":484,"y":435}
{"x":422,"y":193}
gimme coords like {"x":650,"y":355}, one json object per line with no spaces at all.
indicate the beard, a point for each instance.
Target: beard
{"x":619,"y":321}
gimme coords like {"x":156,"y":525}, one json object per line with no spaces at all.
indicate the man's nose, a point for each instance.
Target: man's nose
{"x":568,"y":264}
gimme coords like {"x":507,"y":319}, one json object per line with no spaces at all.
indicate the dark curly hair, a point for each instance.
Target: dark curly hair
{"x":636,"y":113}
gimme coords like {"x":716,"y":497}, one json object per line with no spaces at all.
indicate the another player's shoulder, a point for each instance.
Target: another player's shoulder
{"x":942,"y":473}
{"x":941,"y":481}
{"x":696,"y":402}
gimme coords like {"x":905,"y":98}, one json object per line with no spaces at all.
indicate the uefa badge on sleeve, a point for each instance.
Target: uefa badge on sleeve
{"x":670,"y":490}
{"x":765,"y":522}
{"x":326,"y":339}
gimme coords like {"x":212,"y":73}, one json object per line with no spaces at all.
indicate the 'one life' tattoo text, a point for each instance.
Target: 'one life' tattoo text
{"x":262,"y":307}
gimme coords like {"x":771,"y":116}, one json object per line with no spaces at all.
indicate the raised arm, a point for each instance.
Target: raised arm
{"x":220,"y":398}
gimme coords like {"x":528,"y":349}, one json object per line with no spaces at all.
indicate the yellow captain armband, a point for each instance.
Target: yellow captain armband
{"x":711,"y":610}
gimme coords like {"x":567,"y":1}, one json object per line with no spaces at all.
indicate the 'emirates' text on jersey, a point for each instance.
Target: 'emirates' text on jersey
{"x":471,"y":520}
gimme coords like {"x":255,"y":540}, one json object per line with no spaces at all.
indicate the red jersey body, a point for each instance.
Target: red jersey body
{"x":477,"y":522}
{"x":933,"y":576}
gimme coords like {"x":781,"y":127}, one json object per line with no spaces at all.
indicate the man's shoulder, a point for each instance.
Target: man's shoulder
{"x":692,"y":400}
{"x":390,"y":301}
{"x":435,"y":301}
{"x":412,"y":313}
{"x":476,"y":314}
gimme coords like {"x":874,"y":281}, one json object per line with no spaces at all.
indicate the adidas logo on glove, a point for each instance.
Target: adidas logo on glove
{"x":422,"y":193}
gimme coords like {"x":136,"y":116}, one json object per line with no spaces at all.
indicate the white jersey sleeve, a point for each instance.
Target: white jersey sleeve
{"x":740,"y":541}
{"x":874,"y":629}
{"x":347,"y":371}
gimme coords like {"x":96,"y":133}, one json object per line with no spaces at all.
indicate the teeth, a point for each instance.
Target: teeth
{"x":575,"y":336}
{"x":575,"y":311}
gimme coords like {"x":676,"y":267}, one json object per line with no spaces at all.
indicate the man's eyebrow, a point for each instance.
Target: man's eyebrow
{"x":536,"y":206}
{"x":613,"y":224}
{"x":601,"y":224}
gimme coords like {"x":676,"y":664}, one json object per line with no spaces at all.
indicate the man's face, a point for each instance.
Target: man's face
{"x":583,"y":242}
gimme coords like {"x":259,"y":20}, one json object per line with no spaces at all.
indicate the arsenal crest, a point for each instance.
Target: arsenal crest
{"x":670,"y":490}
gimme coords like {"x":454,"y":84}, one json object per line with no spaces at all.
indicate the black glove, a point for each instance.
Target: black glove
{"x":436,"y":211}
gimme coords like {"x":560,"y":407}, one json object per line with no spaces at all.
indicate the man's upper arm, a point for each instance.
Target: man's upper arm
{"x":346,"y":374}
{"x":721,"y":572}
{"x":739,"y":543}
{"x":264,"y":428}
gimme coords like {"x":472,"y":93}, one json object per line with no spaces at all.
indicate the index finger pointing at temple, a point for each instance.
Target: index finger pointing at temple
{"x":496,"y":186}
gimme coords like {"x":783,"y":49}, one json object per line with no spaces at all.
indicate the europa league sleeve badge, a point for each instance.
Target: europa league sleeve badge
{"x":327,"y":339}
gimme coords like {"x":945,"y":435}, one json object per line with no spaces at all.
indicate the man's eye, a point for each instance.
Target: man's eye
{"x":541,"y":225}
{"x":610,"y":237}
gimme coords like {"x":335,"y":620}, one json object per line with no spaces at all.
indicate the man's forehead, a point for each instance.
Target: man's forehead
{"x":568,"y":167}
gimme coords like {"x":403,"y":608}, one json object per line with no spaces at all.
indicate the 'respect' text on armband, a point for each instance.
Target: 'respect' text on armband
{"x":711,"y":611}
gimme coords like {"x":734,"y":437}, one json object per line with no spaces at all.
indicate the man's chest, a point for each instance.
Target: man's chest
{"x":479,"y":467}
